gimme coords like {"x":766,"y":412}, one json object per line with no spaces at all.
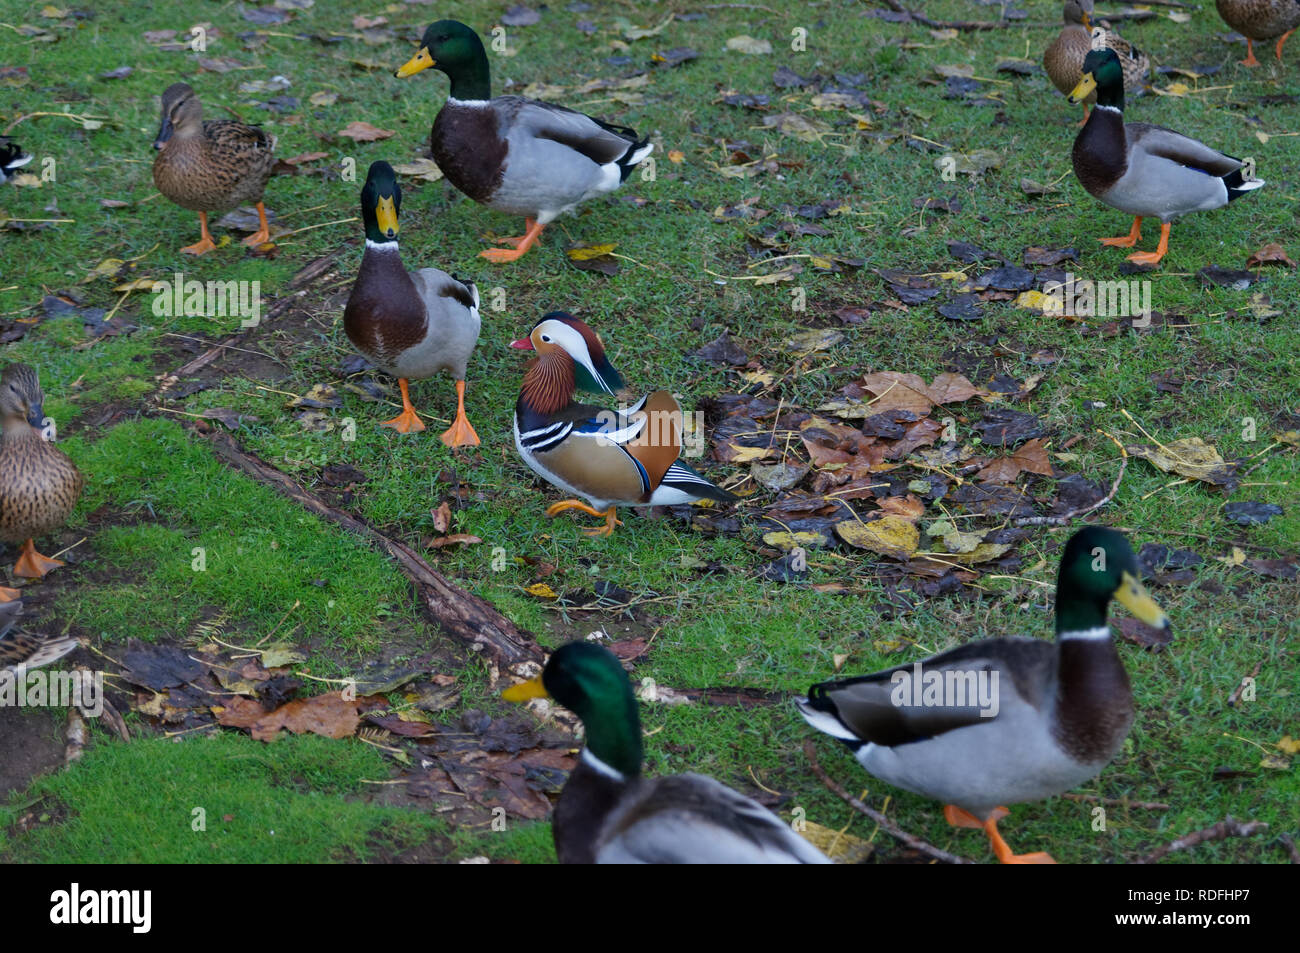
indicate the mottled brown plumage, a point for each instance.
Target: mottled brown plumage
{"x":210,"y":166}
{"x":19,"y":647}
{"x":1260,"y":20}
{"x":39,"y":485}
{"x":1063,"y":60}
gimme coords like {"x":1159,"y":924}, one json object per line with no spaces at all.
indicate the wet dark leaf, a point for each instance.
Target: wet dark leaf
{"x":520,"y":15}
{"x":722,"y":350}
{"x":159,"y":666}
{"x":1227,"y":277}
{"x":1139,"y":633}
{"x":1035,"y":255}
{"x":1002,"y":427}
{"x":962,"y":308}
{"x":1006,"y":278}
{"x":969,"y":254}
{"x":1251,"y":513}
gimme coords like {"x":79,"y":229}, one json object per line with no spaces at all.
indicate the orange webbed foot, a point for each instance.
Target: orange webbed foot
{"x":521,"y":245}
{"x":9,"y":595}
{"x":32,"y":565}
{"x":1250,"y":53}
{"x":460,"y":433}
{"x":263,"y":233}
{"x":1126,"y":241}
{"x":408,"y":421}
{"x":201,"y":247}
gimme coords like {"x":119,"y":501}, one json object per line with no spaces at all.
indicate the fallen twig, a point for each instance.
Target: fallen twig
{"x":1290,"y":847}
{"x":1241,"y":686}
{"x":1221,"y":831}
{"x":461,"y":614}
{"x":911,"y":840}
{"x":1075,"y":513}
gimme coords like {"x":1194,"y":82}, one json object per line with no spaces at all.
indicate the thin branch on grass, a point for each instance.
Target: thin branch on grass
{"x":1076,"y":513}
{"x":1291,"y":849}
{"x":1221,"y":831}
{"x":464,"y":616}
{"x":911,"y":840}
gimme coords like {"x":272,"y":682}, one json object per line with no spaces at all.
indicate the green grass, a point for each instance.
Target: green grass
{"x":220,"y":799}
{"x":729,"y":629}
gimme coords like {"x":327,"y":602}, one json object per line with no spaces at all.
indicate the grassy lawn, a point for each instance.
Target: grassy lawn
{"x":1218,"y":355}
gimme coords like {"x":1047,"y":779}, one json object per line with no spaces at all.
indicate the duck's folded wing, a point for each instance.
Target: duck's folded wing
{"x":921,"y":700}
{"x":693,"y":819}
{"x":601,"y":142}
{"x":226,"y":137}
{"x":1174,"y":146}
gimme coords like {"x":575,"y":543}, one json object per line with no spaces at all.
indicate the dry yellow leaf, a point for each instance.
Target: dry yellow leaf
{"x":789,"y":541}
{"x":590,"y":251}
{"x":542,"y":591}
{"x":838,"y":846}
{"x":889,"y":536}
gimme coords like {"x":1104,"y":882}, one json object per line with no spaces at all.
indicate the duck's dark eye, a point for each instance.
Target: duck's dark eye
{"x":546,"y":338}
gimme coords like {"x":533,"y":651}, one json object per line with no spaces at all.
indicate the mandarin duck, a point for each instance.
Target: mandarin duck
{"x":623,"y":458}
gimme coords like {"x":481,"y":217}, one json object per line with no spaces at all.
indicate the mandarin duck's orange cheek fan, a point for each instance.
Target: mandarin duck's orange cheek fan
{"x":612,"y":458}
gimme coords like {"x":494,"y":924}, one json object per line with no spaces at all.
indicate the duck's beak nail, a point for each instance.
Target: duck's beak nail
{"x":523,"y":344}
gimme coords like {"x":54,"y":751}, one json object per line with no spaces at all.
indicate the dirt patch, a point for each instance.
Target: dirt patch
{"x":31,"y":744}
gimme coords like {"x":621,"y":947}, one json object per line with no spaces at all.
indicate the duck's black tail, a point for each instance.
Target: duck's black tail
{"x":11,"y":158}
{"x":1238,"y":185}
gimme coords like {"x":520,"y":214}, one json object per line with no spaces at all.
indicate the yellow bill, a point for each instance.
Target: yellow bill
{"x":533,"y":688}
{"x":386,"y":213}
{"x":420,"y":61}
{"x":1080,"y":92}
{"x":1133,"y":596}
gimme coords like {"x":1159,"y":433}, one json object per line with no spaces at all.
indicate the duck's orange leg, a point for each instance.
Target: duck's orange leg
{"x":521,"y":244}
{"x":460,"y":433}
{"x":263,"y":234}
{"x":31,"y":564}
{"x":555,"y":509}
{"x":1153,"y":257}
{"x":205,"y":244}
{"x":408,"y":421}
{"x":1250,"y":54}
{"x":958,"y":817}
{"x":9,"y":595}
{"x":1126,"y":241}
{"x":1280,"y":42}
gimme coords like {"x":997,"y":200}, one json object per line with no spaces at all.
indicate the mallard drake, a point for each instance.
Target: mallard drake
{"x":1010,"y":720}
{"x":411,"y":324}
{"x":12,"y":158}
{"x":623,"y":458}
{"x":518,"y":156}
{"x":609,"y":814}
{"x":1145,"y":170}
{"x":27,"y":649}
{"x":210,"y":166}
{"x":39,"y":485}
{"x":1260,"y":20}
{"x":1063,"y":60}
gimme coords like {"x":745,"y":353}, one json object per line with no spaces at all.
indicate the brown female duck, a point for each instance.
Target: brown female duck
{"x":1260,"y":20}
{"x":210,"y":166}
{"x":1063,"y":60}
{"x":39,"y":485}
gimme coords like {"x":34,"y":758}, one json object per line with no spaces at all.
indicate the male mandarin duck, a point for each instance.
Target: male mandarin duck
{"x":608,"y":813}
{"x":1055,"y":716}
{"x":1146,"y":170}
{"x":210,"y":166}
{"x":518,"y":156}
{"x":19,"y":648}
{"x":411,"y":324}
{"x":1063,"y":60}
{"x":39,"y":485}
{"x":623,"y":458}
{"x":1260,"y":20}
